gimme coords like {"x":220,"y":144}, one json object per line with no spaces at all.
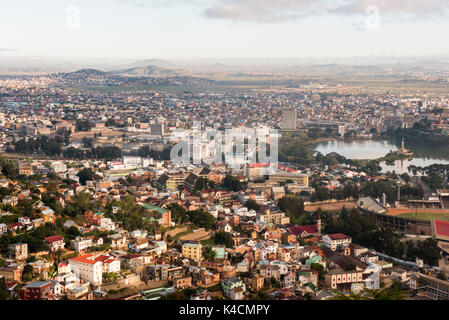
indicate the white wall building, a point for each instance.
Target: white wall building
{"x":335,"y":240}
{"x":87,"y":268}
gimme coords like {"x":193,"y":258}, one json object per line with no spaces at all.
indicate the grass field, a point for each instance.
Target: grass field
{"x":426,"y":215}
{"x":333,"y":206}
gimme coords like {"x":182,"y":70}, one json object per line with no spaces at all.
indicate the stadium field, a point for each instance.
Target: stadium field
{"x":426,"y":215}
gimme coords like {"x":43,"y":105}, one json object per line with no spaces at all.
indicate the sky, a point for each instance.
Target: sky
{"x":184,"y":29}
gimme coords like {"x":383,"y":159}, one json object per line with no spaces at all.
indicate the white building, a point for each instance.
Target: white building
{"x":87,"y":268}
{"x":373,"y":281}
{"x":90,"y":268}
{"x":3,"y":228}
{"x":333,"y":241}
{"x":107,"y":224}
{"x":81,"y":244}
{"x":59,"y":167}
{"x":162,"y":245}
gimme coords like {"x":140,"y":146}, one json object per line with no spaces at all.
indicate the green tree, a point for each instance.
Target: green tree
{"x":252,"y":205}
{"x":202,"y":219}
{"x":224,"y":238}
{"x":232,"y":183}
{"x":4,"y":293}
{"x":27,"y":273}
{"x":293,"y":207}
{"x":208,"y":253}
{"x":87,"y":174}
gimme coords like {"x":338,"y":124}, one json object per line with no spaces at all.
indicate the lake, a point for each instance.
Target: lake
{"x":369,"y":149}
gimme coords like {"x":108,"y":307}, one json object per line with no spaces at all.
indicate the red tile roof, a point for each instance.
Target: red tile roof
{"x":54,"y":239}
{"x":15,"y":225}
{"x":338,"y":236}
{"x":259,"y":165}
{"x":92,"y":259}
{"x":297,"y":230}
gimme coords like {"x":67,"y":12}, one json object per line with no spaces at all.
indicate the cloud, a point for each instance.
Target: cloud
{"x":262,"y":10}
{"x":160,"y":3}
{"x":284,"y":10}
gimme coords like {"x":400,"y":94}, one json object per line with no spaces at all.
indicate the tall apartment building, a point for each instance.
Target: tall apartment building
{"x":192,"y":251}
{"x":289,"y":116}
{"x":19,"y":251}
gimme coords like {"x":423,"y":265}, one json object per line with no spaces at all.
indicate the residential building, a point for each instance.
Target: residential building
{"x":192,"y":251}
{"x":19,"y":251}
{"x":54,"y":243}
{"x":228,"y":285}
{"x":335,"y":240}
{"x":182,"y":282}
{"x":38,"y":290}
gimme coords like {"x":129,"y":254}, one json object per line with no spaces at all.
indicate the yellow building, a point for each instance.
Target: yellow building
{"x":301,"y":179}
{"x":192,"y":251}
{"x":48,"y":214}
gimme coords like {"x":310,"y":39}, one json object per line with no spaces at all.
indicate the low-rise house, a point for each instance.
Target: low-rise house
{"x":201,"y":295}
{"x":10,"y":200}
{"x":372,"y":281}
{"x":182,"y":282}
{"x":118,"y":241}
{"x":335,"y":240}
{"x":58,"y":289}
{"x":139,"y":244}
{"x":24,"y":220}
{"x":270,"y":271}
{"x":289,"y":280}
{"x":107,"y":224}
{"x":81,"y":244}
{"x":54,"y":243}
{"x":38,"y":290}
{"x":237,"y":293}
{"x":40,"y":266}
{"x":11,"y":272}
{"x":399,"y":274}
{"x":47,"y":214}
{"x":226,"y":227}
{"x":255,"y":282}
{"x":3,"y":228}
{"x":81,"y":292}
{"x":229,"y":285}
{"x":16,"y":226}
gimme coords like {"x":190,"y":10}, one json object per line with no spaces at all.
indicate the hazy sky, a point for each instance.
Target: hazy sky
{"x":168,"y":29}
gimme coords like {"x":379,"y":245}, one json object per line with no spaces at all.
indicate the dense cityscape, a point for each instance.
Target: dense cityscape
{"x":244,"y":182}
{"x":93,"y":207}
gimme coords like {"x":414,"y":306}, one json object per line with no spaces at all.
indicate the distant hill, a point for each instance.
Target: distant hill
{"x":154,"y":62}
{"x":147,"y":76}
{"x":149,"y":71}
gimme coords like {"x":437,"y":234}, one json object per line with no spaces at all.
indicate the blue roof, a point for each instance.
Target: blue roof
{"x":37,"y":284}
